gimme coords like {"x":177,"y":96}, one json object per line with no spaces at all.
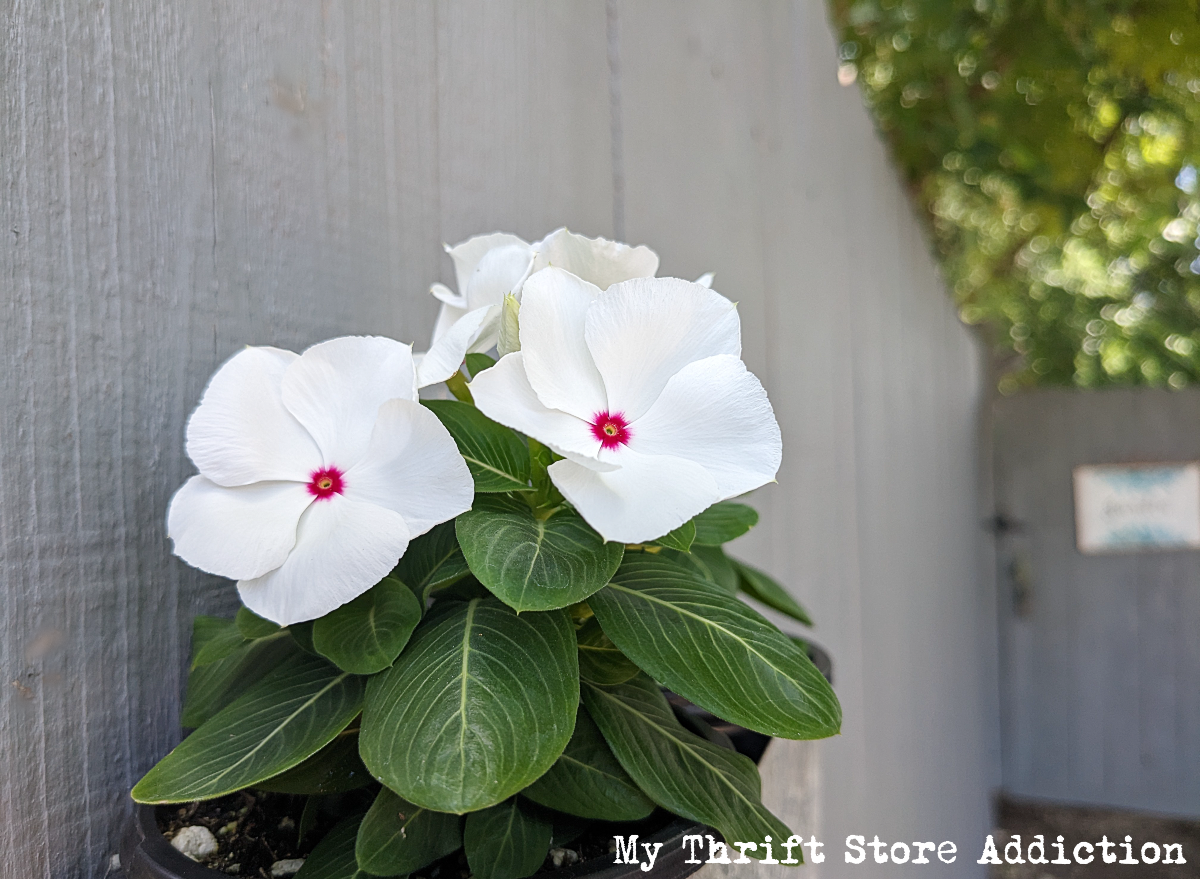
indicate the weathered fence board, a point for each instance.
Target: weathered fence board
{"x":180,"y":179}
{"x":1098,"y":674}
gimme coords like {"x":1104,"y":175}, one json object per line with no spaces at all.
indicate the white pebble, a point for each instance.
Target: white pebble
{"x":560,"y":856}
{"x":195,"y":842}
{"x":287,"y":867}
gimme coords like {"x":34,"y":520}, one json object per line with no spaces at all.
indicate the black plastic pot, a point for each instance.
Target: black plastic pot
{"x":146,"y":854}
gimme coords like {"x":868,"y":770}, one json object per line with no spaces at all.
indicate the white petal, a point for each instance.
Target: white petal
{"x":645,"y":498}
{"x":446,"y":353}
{"x":412,"y":466}
{"x":343,"y":548}
{"x":241,"y":432}
{"x":715,"y":412}
{"x":238,"y":532}
{"x":336,"y":387}
{"x":596,"y":260}
{"x":644,"y":331}
{"x":448,"y":316}
{"x":706,"y":280}
{"x":500,"y":271}
{"x":503,"y":394}
{"x":554,"y":308}
{"x":467,"y":254}
{"x":442,"y":293}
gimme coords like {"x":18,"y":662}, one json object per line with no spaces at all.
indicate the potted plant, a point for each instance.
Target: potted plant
{"x":461,"y":615}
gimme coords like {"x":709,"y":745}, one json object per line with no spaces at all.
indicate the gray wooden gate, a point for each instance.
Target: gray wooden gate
{"x":1100,"y":655}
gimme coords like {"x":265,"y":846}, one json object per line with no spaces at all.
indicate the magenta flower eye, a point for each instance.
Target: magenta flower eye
{"x":611,"y":429}
{"x":325,"y":482}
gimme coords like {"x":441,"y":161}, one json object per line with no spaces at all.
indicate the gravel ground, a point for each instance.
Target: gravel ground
{"x":1077,"y":824}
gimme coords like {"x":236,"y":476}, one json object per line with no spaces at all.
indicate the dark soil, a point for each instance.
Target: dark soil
{"x":253,"y":830}
{"x":1080,"y":824}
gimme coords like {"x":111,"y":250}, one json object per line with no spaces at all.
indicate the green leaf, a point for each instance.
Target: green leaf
{"x":252,"y":626}
{"x":477,"y":363}
{"x":677,"y":769}
{"x":278,"y":723}
{"x":366,"y":635}
{"x":716,"y":566}
{"x":681,"y":538}
{"x":432,"y":562}
{"x":336,"y":768}
{"x":712,"y":648}
{"x":761,"y":587}
{"x":302,"y":634}
{"x":496,"y":456}
{"x":588,"y":781}
{"x":397,"y":837}
{"x":532,"y":563}
{"x":505,"y":841}
{"x":599,"y":659}
{"x":214,"y":638}
{"x":333,"y":857}
{"x":212,"y":686}
{"x":723,"y":522}
{"x":480,"y":704}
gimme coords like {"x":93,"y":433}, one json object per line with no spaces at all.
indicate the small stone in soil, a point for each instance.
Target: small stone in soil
{"x":195,"y":842}
{"x":288,"y":867}
{"x":560,"y":856}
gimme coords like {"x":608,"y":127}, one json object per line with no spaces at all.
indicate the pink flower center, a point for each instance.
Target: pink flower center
{"x":611,"y":429}
{"x":325,"y":482}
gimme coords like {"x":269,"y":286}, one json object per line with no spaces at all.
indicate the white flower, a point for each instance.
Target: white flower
{"x":641,"y":388}
{"x":490,"y":266}
{"x":315,"y":472}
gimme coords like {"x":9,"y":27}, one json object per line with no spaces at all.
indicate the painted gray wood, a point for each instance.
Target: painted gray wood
{"x":180,"y":179}
{"x":1098,"y":671}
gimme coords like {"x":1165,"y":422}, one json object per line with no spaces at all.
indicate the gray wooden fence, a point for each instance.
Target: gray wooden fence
{"x":183,"y":178}
{"x":1099,"y":653}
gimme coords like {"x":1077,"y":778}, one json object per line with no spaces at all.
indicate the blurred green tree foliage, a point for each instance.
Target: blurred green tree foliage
{"x":1054,"y":146}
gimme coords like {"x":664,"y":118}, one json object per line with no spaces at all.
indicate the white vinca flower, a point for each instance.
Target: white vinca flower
{"x":315,"y":472}
{"x":490,"y":266}
{"x":642,"y":390}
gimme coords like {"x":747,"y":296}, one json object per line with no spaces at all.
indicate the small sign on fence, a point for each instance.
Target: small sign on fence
{"x":1131,"y":507}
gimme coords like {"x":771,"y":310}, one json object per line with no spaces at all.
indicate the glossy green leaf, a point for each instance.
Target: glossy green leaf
{"x":252,"y":626}
{"x":366,"y":635}
{"x":480,"y":704}
{"x":588,"y":781}
{"x":506,"y":841}
{"x":724,"y":522}
{"x":397,"y":837}
{"x":212,"y":686}
{"x":677,"y":769}
{"x":532,"y":563}
{"x":214,"y":638}
{"x":477,"y":363}
{"x":681,"y":538}
{"x":333,"y":857}
{"x":761,"y":587}
{"x":599,"y":659}
{"x":278,"y":723}
{"x":336,"y":768}
{"x":712,"y":648}
{"x":432,"y":561}
{"x":496,"y":456}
